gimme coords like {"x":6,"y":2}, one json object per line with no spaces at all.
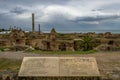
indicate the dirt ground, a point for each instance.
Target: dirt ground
{"x":108,"y":62}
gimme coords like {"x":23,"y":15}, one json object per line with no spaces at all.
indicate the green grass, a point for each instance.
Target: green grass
{"x":62,"y":52}
{"x":9,"y":64}
{"x":2,"y":49}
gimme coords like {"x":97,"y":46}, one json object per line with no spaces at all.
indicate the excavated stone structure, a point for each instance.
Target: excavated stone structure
{"x":54,"y":41}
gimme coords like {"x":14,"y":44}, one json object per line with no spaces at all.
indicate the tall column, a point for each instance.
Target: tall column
{"x":39,"y":28}
{"x":33,"y":23}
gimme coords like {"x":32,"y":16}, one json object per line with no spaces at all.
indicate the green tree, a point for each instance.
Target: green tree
{"x":3,"y":30}
{"x":87,"y":43}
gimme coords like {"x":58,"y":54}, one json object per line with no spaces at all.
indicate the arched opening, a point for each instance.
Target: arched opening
{"x":48,"y":45}
{"x":77,"y":45}
{"x":62,"y":47}
{"x":18,"y":41}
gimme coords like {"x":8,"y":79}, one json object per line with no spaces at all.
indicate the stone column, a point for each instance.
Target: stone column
{"x":39,"y":28}
{"x":33,"y":23}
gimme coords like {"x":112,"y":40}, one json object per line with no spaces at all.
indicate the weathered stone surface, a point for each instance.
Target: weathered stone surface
{"x":39,"y":66}
{"x":78,"y":66}
{"x":58,"y":66}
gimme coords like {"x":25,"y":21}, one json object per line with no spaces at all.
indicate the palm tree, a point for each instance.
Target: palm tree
{"x":87,"y":43}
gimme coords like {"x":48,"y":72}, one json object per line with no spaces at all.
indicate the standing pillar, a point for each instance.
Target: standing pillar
{"x":33,"y":23}
{"x":39,"y":28}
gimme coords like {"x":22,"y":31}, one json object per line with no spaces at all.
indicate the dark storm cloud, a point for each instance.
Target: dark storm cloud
{"x":18,"y":10}
{"x":96,"y":18}
{"x":58,"y":13}
{"x":6,"y":21}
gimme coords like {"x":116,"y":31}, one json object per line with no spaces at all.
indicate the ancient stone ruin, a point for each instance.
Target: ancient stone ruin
{"x":54,"y":41}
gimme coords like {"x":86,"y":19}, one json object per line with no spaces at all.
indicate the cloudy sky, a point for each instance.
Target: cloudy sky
{"x":63,"y":15}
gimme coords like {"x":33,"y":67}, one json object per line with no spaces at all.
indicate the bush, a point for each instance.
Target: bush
{"x":87,"y":43}
{"x":1,"y":49}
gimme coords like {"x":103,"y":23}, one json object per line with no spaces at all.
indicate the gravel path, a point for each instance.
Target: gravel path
{"x":15,"y":55}
{"x":106,"y":56}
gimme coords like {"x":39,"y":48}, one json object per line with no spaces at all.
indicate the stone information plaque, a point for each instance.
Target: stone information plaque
{"x":58,"y":66}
